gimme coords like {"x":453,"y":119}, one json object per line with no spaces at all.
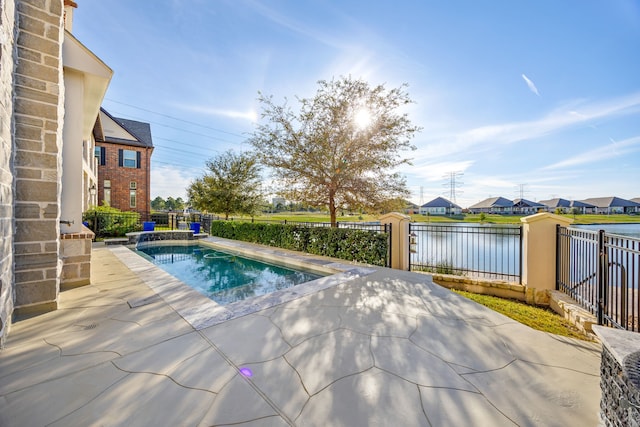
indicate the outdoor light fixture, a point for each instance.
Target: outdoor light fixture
{"x":413,"y":243}
{"x":92,"y":190}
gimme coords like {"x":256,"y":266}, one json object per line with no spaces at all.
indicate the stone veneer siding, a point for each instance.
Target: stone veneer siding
{"x":75,"y":253}
{"x":7,"y":38}
{"x":619,"y":377}
{"x":38,"y":119}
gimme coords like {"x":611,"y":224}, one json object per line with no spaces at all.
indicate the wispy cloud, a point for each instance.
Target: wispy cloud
{"x":530,"y":84}
{"x":171,"y":181}
{"x":249,"y":114}
{"x":609,"y":151}
{"x":486,"y":137}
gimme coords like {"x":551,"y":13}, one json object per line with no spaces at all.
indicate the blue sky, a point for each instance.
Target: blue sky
{"x":540,"y":98}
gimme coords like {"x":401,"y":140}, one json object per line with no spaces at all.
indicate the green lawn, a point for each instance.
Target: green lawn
{"x":538,"y":318}
{"x":490,"y":219}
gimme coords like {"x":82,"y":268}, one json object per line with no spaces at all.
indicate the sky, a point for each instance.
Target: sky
{"x":533,"y":98}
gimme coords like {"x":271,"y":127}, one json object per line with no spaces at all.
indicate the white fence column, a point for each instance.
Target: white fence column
{"x":539,"y":255}
{"x":399,"y":239}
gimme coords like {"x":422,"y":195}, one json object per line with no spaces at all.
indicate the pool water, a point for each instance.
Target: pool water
{"x":223,"y":277}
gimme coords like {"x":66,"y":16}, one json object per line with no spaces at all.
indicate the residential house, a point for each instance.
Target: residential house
{"x":440,"y":206}
{"x":493,"y":205}
{"x":636,"y":200}
{"x":51,"y":88}
{"x":527,"y":207}
{"x":612,"y":205}
{"x":568,"y":206}
{"x":123,"y":150}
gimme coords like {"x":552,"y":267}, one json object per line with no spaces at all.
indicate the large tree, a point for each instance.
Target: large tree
{"x":341,"y":149}
{"x":231,"y":185}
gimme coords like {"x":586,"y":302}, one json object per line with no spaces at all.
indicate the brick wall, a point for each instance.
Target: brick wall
{"x":7,"y":16}
{"x":38,"y":119}
{"x":121,"y":178}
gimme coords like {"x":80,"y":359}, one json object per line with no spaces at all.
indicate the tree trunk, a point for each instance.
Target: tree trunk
{"x":332,"y":210}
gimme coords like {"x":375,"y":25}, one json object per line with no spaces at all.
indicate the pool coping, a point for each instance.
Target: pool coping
{"x":201,"y":312}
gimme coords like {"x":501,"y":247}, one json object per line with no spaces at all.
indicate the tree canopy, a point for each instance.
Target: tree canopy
{"x":231,"y":185}
{"x":342,"y":149}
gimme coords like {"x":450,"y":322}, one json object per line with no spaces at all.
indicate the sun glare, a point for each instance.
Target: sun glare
{"x":362,"y":118}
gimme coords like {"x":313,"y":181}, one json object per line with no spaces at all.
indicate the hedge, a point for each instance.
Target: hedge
{"x":349,"y":244}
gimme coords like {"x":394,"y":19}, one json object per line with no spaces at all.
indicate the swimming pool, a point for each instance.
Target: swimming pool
{"x":222,"y":276}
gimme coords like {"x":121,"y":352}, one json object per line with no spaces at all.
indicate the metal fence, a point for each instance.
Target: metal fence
{"x":601,"y":271}
{"x":474,"y":250}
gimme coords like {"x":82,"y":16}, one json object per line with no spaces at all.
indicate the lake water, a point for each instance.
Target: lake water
{"x":631,"y":230}
{"x":482,"y":250}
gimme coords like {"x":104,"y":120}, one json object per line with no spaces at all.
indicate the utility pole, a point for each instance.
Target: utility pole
{"x":453,"y":183}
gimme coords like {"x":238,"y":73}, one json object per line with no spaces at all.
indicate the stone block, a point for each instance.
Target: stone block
{"x":27,"y":211}
{"x":34,"y":26}
{"x":36,"y":191}
{"x":36,"y":230}
{"x":29,"y":54}
{"x":28,"y":132}
{"x":37,"y":95}
{"x":32,"y":261}
{"x":33,"y":108}
{"x":36,"y":292}
{"x":29,"y":276}
{"x":50,"y":211}
{"x":28,"y":173}
{"x":40,"y":44}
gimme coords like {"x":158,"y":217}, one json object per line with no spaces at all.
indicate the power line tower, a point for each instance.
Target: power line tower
{"x":522,"y":190}
{"x":453,"y":183}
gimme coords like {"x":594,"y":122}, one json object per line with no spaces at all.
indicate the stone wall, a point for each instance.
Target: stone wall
{"x":38,"y":120}
{"x":75,"y":252}
{"x":7,"y":40}
{"x":619,"y":377}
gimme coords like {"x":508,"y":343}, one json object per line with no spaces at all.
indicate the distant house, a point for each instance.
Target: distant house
{"x":440,"y":206}
{"x":493,"y":205}
{"x":411,"y":208}
{"x":636,"y":200}
{"x":612,"y":205}
{"x":527,"y":207}
{"x":568,"y":206}
{"x":123,"y":150}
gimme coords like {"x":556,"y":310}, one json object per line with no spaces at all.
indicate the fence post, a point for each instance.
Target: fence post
{"x":539,"y":257}
{"x":603,"y":270}
{"x":399,"y":223}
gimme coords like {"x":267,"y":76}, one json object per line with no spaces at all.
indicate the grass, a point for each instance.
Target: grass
{"x":535,"y":317}
{"x":489,"y":219}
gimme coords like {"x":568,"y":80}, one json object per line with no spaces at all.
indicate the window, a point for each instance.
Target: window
{"x":133,"y":185}
{"x":129,"y":159}
{"x":107,"y":191}
{"x":132,"y":198}
{"x":100,"y":153}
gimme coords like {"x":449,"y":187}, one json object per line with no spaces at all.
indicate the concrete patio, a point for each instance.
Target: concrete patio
{"x":388,"y":348}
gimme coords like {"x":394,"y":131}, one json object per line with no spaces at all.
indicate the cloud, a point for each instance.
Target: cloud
{"x":609,"y":151}
{"x":485,"y":138}
{"x":250,"y":114}
{"x":531,"y":85}
{"x":170,"y":181}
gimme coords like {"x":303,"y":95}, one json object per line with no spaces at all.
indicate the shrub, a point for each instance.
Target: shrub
{"x":348,"y":244}
{"x":106,"y":221}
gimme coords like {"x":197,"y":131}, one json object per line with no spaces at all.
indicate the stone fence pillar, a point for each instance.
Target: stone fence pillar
{"x":539,"y":255}
{"x":399,"y":239}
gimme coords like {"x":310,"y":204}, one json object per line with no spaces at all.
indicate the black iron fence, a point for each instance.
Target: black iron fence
{"x":473,"y":250}
{"x":601,"y":271}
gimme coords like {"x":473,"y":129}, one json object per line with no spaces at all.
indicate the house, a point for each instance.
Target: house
{"x":123,"y":151}
{"x":636,"y":200}
{"x":527,"y":207}
{"x":51,"y":89}
{"x":493,"y":205}
{"x":568,"y":206}
{"x":612,"y":205}
{"x":440,"y":206}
